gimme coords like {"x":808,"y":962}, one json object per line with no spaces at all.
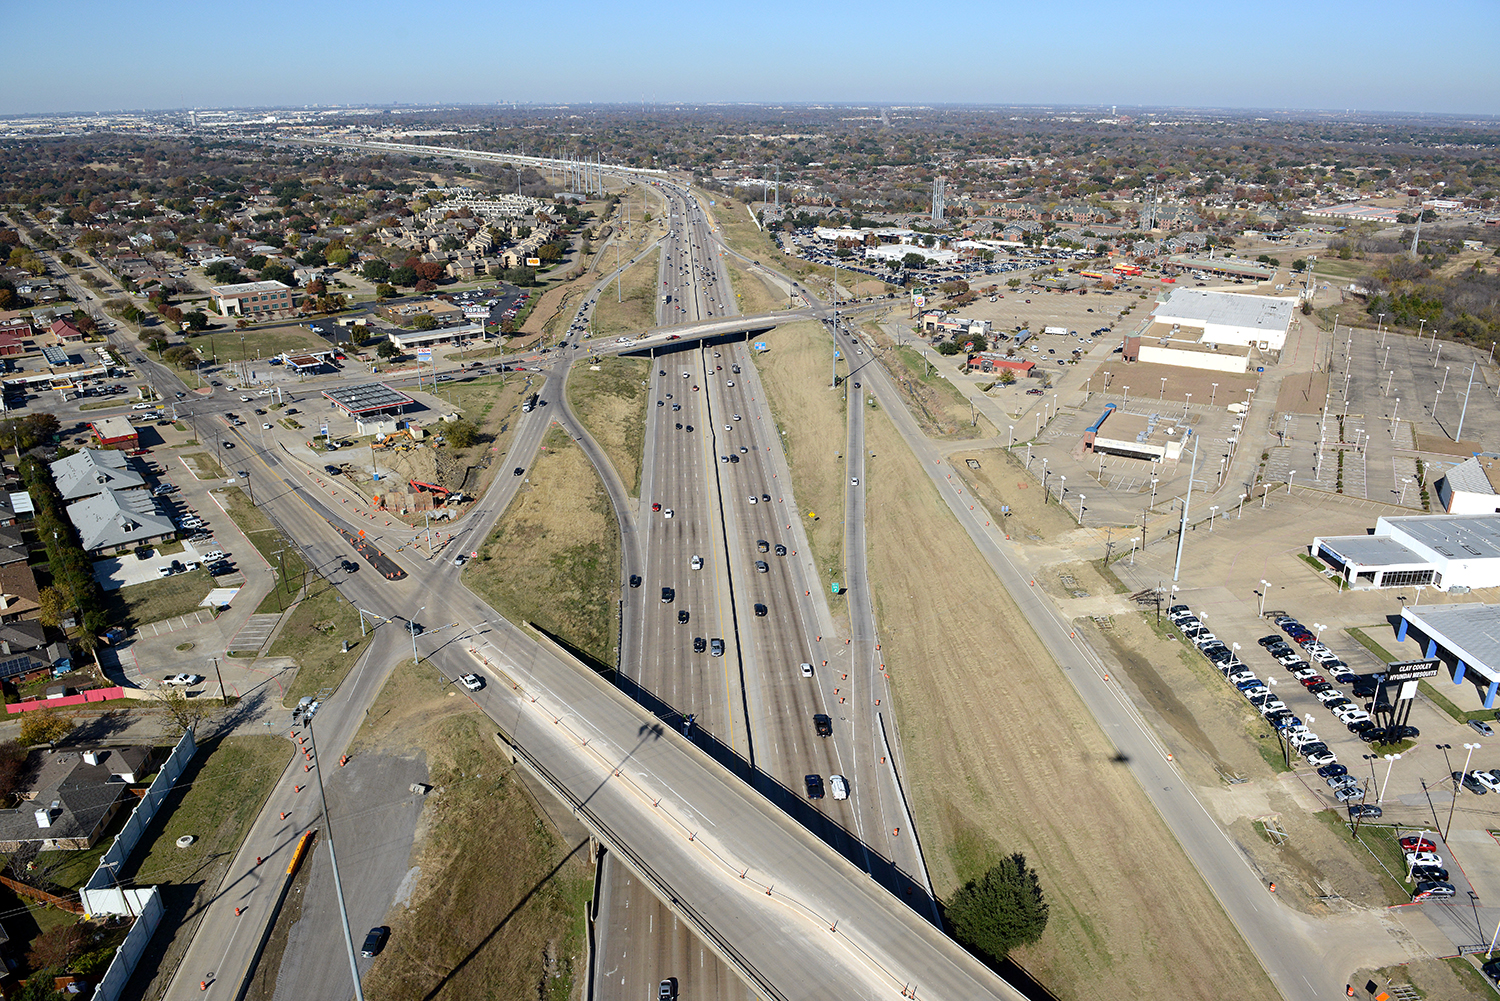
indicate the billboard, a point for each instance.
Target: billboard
{"x":533,"y":262}
{"x":1410,"y":670}
{"x":424,"y":354}
{"x":918,"y":301}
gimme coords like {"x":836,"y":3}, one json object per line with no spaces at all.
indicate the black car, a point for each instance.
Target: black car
{"x":667,"y":595}
{"x":1396,"y":733}
{"x":1429,"y":874}
{"x":1269,"y":641}
{"x":682,"y":615}
{"x":1359,"y":726}
{"x":814,"y":786}
{"x":823,"y":724}
{"x":1366,"y":811}
{"x":374,"y":942}
{"x":1469,"y":782}
{"x":635,"y":580}
{"x":760,"y":609}
{"x":1333,"y":770}
{"x":1492,"y":970}
{"x":332,"y":470}
{"x":517,"y":471}
{"x":1365,"y":686}
{"x":1374,"y":735}
{"x":699,"y":644}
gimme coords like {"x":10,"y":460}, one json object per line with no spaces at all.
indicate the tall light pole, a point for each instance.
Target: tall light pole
{"x":1187,"y":499}
{"x":1187,"y":404}
{"x":1163,"y":388}
{"x":1062,"y":489}
{"x":1289,"y":474}
{"x":1213,"y":394}
{"x":1318,"y":628}
{"x":1265,"y":586}
{"x":1132,"y":549}
{"x":1242,"y":505}
{"x":1405,"y":482}
{"x":1213,"y":509}
{"x":1012,"y":443}
{"x":1471,"y":748}
{"x":1080,"y":510}
{"x":411,"y":627}
{"x":1392,"y":759}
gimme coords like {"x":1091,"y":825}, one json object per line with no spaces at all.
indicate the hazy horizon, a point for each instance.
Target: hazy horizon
{"x":1336,"y":57}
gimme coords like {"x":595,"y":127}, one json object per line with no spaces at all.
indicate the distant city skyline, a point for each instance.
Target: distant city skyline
{"x":1333,"y":56}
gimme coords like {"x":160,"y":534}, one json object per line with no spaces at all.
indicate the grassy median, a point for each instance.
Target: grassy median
{"x":610,"y":399}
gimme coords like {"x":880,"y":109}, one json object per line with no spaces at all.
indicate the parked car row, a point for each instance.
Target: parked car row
{"x":1357,"y":719}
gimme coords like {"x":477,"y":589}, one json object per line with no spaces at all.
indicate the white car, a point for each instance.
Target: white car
{"x":697,"y":563}
{"x":244,"y":399}
{"x":140,"y":406}
{"x":754,"y":499}
{"x":839,"y":785}
{"x":182,"y":680}
{"x":806,"y":670}
{"x":213,"y":556}
{"x":471,"y":681}
{"x":1329,"y":696}
{"x":667,"y":513}
{"x":1302,"y":738}
{"x":1425,"y":858}
{"x":1272,"y":705}
{"x":265,"y":427}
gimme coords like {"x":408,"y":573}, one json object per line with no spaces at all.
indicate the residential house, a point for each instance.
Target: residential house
{"x":69,"y":797}
{"x":19,"y":594}
{"x":65,"y":332}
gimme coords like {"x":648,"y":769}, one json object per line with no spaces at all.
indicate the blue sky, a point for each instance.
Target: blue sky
{"x":95,"y":56}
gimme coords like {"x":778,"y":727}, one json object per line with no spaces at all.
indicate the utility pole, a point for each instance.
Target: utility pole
{"x":222,"y":695}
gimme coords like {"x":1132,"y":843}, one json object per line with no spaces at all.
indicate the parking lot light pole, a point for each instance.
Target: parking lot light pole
{"x":1264,"y":586}
{"x":1080,"y":510}
{"x":1213,"y":394}
{"x":1391,"y":760}
{"x":1012,"y":443}
{"x":1242,"y":505}
{"x":1471,"y":748}
{"x":1405,"y":482}
{"x":1289,"y":474}
{"x":1132,"y":549}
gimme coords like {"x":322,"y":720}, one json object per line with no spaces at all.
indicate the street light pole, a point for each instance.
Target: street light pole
{"x":1265,"y":585}
{"x":1392,"y":759}
{"x":338,"y":886}
{"x":1471,"y":748}
{"x":411,"y":627}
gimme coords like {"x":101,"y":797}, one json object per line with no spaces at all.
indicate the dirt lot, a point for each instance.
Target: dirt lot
{"x":638,"y":310}
{"x":1302,"y":393}
{"x":610,"y":400}
{"x":1000,"y":480}
{"x":754,"y":295}
{"x":555,"y":558}
{"x":1003,"y":757}
{"x":811,"y":416}
{"x":472,"y":928}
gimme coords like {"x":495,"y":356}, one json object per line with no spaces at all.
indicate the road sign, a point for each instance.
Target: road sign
{"x":424,"y":354}
{"x":834,"y":587}
{"x":761,"y":346}
{"x":1410,"y":670}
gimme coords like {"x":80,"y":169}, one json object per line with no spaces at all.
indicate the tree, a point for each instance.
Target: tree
{"x":337,"y":256}
{"x":384,"y":291}
{"x":388,"y":349}
{"x":55,"y":948}
{"x":462,"y":433}
{"x":277,"y":273}
{"x":196,"y":320}
{"x":1007,"y":378}
{"x":948,"y":348}
{"x":425,"y":321}
{"x":54,"y":607}
{"x":404,"y":276}
{"x":44,"y":726}
{"x":12,"y":768}
{"x":1000,"y":910}
{"x":376,"y":270}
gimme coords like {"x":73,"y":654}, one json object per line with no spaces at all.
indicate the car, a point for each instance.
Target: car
{"x":762,"y":546}
{"x":1469,"y":782}
{"x":182,"y":680}
{"x":716,"y":647}
{"x":227,"y":444}
{"x":1414,"y":859}
{"x":1433,"y":891}
{"x":744,"y":450}
{"x":1370,"y":735}
{"x":765,"y":498}
{"x":635,"y":580}
{"x":1303,"y":674}
{"x":754,"y":499}
{"x":823,"y":724}
{"x":762,"y":566}
{"x":265,"y":427}
{"x":667,"y":513}
{"x":668,"y":595}
{"x":854,"y":480}
{"x":780,"y":549}
{"x":814,"y":786}
{"x":1365,"y":686}
{"x":699,"y":644}
{"x":760,"y":609}
{"x":682,"y":616}
{"x":656,"y":507}
{"x":1348,"y":793}
{"x":1269,"y":641}
{"x":1402,"y":732}
{"x":517,"y":471}
{"x":374,"y":942}
{"x":1416,"y":843}
{"x":1369,"y":812}
{"x":348,"y":566}
{"x":697,"y":563}
{"x":1312,"y":683}
{"x":213,"y":555}
{"x":1488,"y":779}
{"x":667,"y":989}
{"x":1342,"y":781}
{"x":1330,"y":695}
{"x":471,"y":681}
{"x":1482,"y":728}
{"x":839,"y":785}
{"x":1429,"y":874}
{"x":807,"y":671}
{"x":140,"y":406}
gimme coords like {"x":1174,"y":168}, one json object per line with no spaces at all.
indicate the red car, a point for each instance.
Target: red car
{"x":656,"y":507}
{"x":1316,"y":679}
{"x":1417,"y":845}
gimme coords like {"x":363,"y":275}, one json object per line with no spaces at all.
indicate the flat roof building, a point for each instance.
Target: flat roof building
{"x":374,"y":398}
{"x":1450,"y":552}
{"x":115,"y":431}
{"x":255,"y":300}
{"x":1228,"y":317}
{"x":1466,"y":636}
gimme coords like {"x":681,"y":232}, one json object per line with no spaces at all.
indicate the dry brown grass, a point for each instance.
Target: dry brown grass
{"x":637,"y":312}
{"x":811,"y":417}
{"x":555,"y":558}
{"x":498,"y":910}
{"x":1002,"y":756}
{"x":753,"y":294}
{"x":610,"y":399}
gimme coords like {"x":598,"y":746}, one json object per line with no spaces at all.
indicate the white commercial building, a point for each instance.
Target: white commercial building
{"x":896,"y":251}
{"x":1228,"y":317}
{"x":1450,"y":552}
{"x":1471,"y":487}
{"x":1463,"y":636}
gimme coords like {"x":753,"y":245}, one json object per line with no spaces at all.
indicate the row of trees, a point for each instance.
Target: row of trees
{"x":73,"y":585}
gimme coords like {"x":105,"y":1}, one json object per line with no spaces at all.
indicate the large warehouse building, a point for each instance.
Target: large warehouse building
{"x":1471,"y":487}
{"x":1450,"y":552}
